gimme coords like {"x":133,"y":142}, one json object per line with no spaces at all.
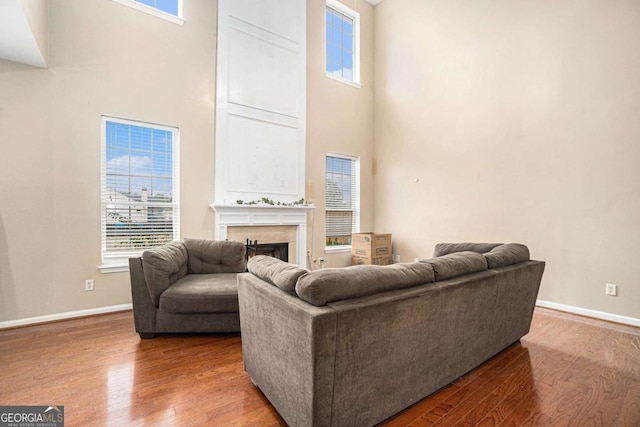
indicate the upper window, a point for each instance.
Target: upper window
{"x":169,"y":6}
{"x":342,"y":42}
{"x":342,"y":214}
{"x":139,"y":189}
{"x":171,"y":10}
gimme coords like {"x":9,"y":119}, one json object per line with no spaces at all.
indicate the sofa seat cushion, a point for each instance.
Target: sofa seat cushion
{"x":202,"y":293}
{"x":277,"y":272}
{"x":507,"y":254}
{"x":211,"y":256}
{"x":326,"y":285}
{"x":456,"y":264}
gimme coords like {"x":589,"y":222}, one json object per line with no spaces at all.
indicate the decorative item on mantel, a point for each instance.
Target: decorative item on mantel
{"x":268,"y":202}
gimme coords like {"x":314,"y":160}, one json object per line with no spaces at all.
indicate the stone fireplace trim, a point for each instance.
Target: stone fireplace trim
{"x":264,"y":215}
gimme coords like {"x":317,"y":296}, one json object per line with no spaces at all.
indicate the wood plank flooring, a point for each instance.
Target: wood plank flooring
{"x":568,"y":371}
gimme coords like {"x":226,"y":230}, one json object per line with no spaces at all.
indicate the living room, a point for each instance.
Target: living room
{"x":474,"y":121}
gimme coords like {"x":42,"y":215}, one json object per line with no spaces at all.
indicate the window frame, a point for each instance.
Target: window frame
{"x":356,"y":202}
{"x":119,"y":262}
{"x":355,"y":16}
{"x":176,"y":19}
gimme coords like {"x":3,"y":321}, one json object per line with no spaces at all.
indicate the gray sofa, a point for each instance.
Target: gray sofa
{"x":187,"y":286}
{"x":354,"y":346}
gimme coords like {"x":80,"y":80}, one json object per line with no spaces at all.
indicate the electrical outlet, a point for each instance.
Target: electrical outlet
{"x":88,"y":285}
{"x":611,"y":289}
{"x":396,"y":257}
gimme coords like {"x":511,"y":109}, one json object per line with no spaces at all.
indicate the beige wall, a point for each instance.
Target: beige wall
{"x":339,"y":120}
{"x":520,"y":120}
{"x":104,"y":58}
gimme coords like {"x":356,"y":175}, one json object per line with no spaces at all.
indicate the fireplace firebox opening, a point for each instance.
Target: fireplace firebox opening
{"x":276,"y":250}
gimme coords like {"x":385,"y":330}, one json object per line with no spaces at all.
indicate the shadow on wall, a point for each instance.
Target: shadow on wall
{"x":7,"y":297}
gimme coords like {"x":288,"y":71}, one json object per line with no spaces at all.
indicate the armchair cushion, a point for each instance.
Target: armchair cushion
{"x":202,"y":293}
{"x":210,"y":256}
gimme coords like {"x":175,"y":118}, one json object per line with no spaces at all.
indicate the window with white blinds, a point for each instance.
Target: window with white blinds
{"x":342,"y":189}
{"x":140,"y":201}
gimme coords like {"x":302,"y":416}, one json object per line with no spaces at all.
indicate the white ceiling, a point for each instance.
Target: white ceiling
{"x":17,"y":42}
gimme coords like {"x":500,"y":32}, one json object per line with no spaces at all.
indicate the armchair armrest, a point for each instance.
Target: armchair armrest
{"x":143,"y":307}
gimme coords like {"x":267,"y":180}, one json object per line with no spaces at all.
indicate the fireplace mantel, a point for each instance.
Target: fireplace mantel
{"x":264,"y":215}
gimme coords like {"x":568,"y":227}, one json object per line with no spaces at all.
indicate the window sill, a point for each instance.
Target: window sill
{"x":114,"y":268}
{"x":337,"y":249}
{"x":347,"y":82}
{"x":151,"y":11}
{"x":117,"y":264}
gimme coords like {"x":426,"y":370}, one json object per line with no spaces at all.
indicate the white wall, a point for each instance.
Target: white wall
{"x":520,"y":120}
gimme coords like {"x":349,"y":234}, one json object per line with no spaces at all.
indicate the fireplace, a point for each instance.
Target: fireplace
{"x":276,"y":250}
{"x":254,"y":219}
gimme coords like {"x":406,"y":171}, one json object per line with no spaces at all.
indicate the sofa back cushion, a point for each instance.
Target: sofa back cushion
{"x":456,"y":264}
{"x":449,"y":248}
{"x":210,"y":256}
{"x":326,"y":285}
{"x":507,"y":254}
{"x":277,"y":272}
{"x":163,"y":266}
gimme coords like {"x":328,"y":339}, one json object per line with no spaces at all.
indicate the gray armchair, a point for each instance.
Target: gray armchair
{"x":187,"y":286}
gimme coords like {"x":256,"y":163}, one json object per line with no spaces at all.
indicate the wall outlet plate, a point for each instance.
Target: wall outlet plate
{"x":88,"y":285}
{"x":611,"y":289}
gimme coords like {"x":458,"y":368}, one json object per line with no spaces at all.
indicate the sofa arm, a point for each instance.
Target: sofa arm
{"x":144,"y":310}
{"x":296,"y":378}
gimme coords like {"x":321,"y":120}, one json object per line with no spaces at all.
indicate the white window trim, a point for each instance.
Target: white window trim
{"x":345,"y":10}
{"x":337,"y":249}
{"x":112,"y":263}
{"x":346,"y":248}
{"x":155,"y":12}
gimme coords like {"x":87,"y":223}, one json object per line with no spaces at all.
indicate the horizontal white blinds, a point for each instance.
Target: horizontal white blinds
{"x":139,"y":187}
{"x":341,"y":200}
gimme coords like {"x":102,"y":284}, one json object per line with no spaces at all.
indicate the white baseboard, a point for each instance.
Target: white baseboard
{"x":122,"y":307}
{"x":590,"y":313}
{"x":63,"y":316}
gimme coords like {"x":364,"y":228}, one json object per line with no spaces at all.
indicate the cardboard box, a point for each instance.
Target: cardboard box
{"x":371,"y":245}
{"x":371,"y":248}
{"x":380,"y":260}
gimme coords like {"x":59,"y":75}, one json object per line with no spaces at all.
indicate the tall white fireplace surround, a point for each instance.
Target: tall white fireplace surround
{"x":264,"y":215}
{"x":261,"y":119}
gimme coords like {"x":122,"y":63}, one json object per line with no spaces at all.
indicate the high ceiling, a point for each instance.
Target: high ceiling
{"x":17,"y":40}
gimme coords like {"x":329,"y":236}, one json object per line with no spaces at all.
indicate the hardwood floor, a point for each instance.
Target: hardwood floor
{"x":567,"y":371}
